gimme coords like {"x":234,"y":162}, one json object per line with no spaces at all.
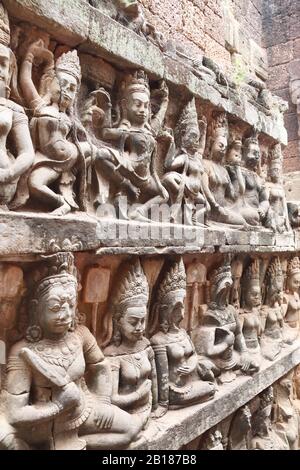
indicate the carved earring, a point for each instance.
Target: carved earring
{"x":34,"y":334}
{"x":7,"y":91}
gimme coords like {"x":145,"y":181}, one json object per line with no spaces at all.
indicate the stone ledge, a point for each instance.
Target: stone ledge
{"x":31,"y":233}
{"x":76,"y":23}
{"x":180,"y":427}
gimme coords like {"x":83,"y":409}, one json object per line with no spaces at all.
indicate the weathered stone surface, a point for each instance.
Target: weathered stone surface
{"x":67,"y":21}
{"x":182,"y":426}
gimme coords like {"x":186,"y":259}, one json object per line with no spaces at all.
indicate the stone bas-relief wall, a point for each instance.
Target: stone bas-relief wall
{"x":104,"y":353}
{"x":149,"y":267}
{"x":268,"y":422}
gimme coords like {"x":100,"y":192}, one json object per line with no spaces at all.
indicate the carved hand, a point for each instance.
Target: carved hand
{"x":185,"y":370}
{"x":229,"y":339}
{"x":145,"y":388}
{"x":67,"y":396}
{"x":162,"y":92}
{"x":104,"y":416}
{"x":37,"y":50}
{"x":245,"y":362}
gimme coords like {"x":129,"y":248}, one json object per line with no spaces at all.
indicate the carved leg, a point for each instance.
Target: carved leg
{"x":38,"y":183}
{"x":124,"y":430}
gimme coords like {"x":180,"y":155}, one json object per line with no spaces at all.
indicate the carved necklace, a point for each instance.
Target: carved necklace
{"x":61,"y":352}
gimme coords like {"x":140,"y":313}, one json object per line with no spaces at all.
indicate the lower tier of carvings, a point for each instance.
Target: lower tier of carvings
{"x":183,"y":427}
{"x":269,"y":421}
{"x":148,"y":352}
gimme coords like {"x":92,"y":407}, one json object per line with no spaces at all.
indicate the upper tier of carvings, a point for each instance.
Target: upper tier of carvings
{"x":76,"y":142}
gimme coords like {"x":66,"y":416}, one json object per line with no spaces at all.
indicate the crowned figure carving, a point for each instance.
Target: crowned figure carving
{"x":17,"y":153}
{"x":134,"y":383}
{"x":58,"y":378}
{"x":219,"y":338}
{"x":61,"y":155}
{"x":129,"y":161}
{"x":178,"y":374}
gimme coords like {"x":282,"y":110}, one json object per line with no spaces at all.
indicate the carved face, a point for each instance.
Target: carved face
{"x":55,"y":91}
{"x":275,"y":174}
{"x":222,"y":291}
{"x":4,"y":68}
{"x":137,"y":108}
{"x":276,"y":289}
{"x":68,"y":88}
{"x":190,"y":139}
{"x":294,"y":282}
{"x":219,"y":145}
{"x":177,"y":308}
{"x":132,"y":323}
{"x":253,"y":295}
{"x":253,"y":156}
{"x":234,"y":156}
{"x":56,"y":309}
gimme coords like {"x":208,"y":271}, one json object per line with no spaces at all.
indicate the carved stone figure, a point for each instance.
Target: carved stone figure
{"x":17,"y":153}
{"x":219,"y":339}
{"x":216,"y":181}
{"x":287,"y":419}
{"x":291,"y":296}
{"x":250,"y":313}
{"x":59,"y":155}
{"x":134,"y":382}
{"x":212,"y":440}
{"x":265,"y":437}
{"x":184,"y":166}
{"x":256,"y":199}
{"x":58,"y":381}
{"x":272,"y":313}
{"x":178,"y":374}
{"x":132,"y":16}
{"x":129,"y":163}
{"x":277,"y":217}
{"x":239,"y":431}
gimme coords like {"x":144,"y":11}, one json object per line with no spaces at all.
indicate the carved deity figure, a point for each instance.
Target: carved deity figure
{"x":178,"y":374}
{"x":217,"y":185}
{"x":265,"y":436}
{"x":250,"y":313}
{"x":287,"y":419}
{"x":17,"y":153}
{"x":58,"y":381}
{"x":277,"y":216}
{"x":134,"y":383}
{"x":59,"y":155}
{"x":129,"y":162}
{"x":239,"y":431}
{"x":255,"y":196}
{"x":219,"y":339}
{"x":272,"y":312}
{"x":184,"y":167}
{"x":291,"y":295}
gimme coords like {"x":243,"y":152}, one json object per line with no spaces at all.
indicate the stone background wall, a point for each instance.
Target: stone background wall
{"x":253,"y":37}
{"x":281,"y":28}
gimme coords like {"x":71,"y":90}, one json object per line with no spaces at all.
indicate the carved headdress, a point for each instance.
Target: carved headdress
{"x":173,"y":282}
{"x":293,"y":266}
{"x":4,"y":27}
{"x":220,"y":279}
{"x":187,"y":120}
{"x":69,"y":63}
{"x":61,"y":271}
{"x":218,"y":126}
{"x":131,"y":291}
{"x":137,"y":82}
{"x":276,"y":159}
{"x":274,"y":280}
